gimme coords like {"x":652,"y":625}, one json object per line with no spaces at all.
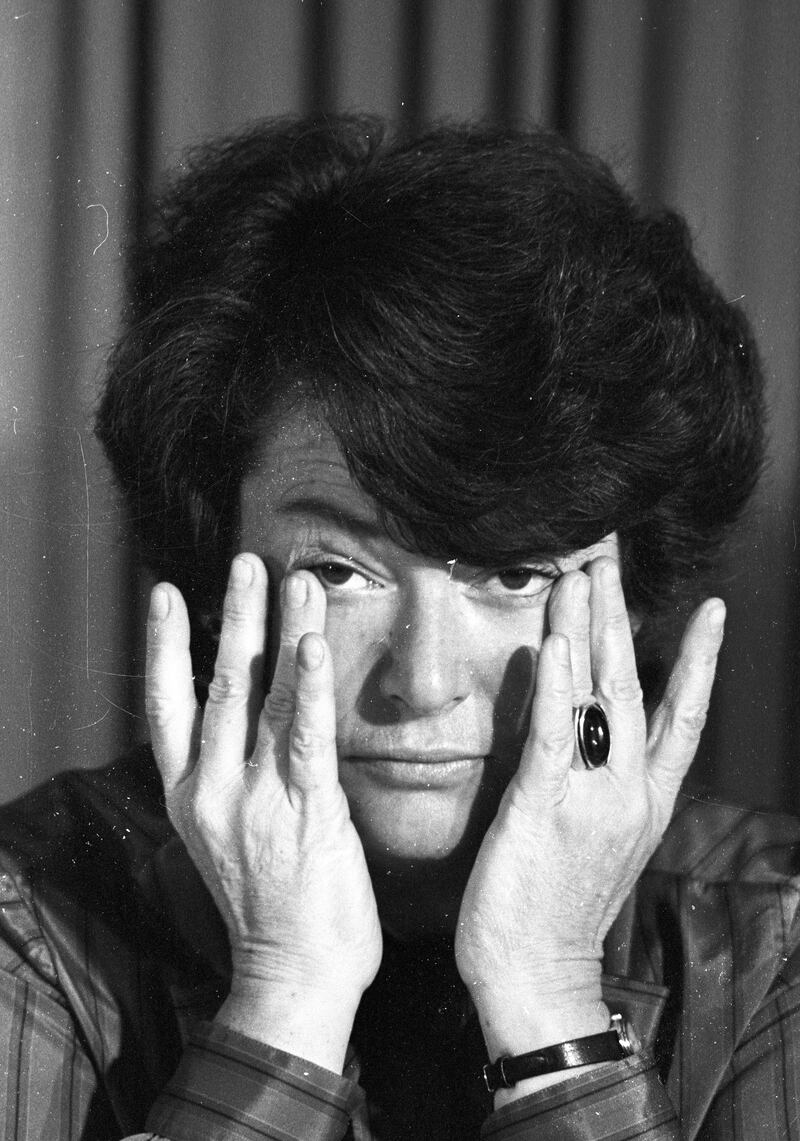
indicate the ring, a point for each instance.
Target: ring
{"x":592,"y":734}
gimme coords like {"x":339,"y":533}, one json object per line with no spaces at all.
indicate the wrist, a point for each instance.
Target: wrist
{"x":511,"y":1077}
{"x":307,"y":1021}
{"x":550,"y":1005}
{"x":266,"y":968}
{"x":530,"y":1025}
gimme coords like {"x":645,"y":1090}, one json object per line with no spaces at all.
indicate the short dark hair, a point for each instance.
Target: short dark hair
{"x":514,"y":358}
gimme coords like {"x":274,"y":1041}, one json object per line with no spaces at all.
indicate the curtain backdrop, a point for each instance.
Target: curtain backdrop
{"x":695,"y":104}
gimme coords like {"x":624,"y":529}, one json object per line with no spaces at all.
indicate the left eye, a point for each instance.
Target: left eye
{"x":520,"y":580}
{"x":341,"y":576}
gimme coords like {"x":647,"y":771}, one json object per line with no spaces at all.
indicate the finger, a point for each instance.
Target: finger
{"x":235,"y":694}
{"x":313,"y":766}
{"x":170,"y":702}
{"x":616,"y":679}
{"x":568,"y":614}
{"x":302,"y":611}
{"x":678,"y":721}
{"x":547,"y":755}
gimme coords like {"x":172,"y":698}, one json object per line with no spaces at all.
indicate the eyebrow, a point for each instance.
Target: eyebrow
{"x":336,"y":516}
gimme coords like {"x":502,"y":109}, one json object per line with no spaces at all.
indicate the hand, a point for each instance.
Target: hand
{"x":568,"y":843}
{"x":253,"y":791}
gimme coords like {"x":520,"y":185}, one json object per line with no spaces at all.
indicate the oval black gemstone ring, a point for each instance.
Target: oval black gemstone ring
{"x":592,"y":735}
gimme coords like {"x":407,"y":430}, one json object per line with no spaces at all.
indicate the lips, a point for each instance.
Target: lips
{"x":437,"y":755}
{"x":413,"y":769}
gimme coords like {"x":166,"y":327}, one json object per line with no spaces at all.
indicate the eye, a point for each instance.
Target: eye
{"x":524,"y":581}
{"x":341,"y":577}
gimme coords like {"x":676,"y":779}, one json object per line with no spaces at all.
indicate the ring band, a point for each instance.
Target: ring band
{"x":592,"y":734}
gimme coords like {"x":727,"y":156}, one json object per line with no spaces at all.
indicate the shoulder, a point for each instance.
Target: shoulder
{"x":83,"y":836}
{"x":717,"y":908}
{"x":87,"y":943}
{"x":77,"y":814}
{"x":718,"y":919}
{"x":729,"y":878}
{"x":719,"y":843}
{"x":733,"y":874}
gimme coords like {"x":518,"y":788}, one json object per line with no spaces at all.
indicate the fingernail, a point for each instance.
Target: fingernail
{"x":159,"y":603}
{"x":241,"y":572}
{"x":609,"y":573}
{"x":715,"y":614}
{"x":296,"y":591}
{"x":580,"y":587}
{"x":312,"y":653}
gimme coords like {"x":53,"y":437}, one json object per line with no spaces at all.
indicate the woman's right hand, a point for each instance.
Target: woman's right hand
{"x":252,"y":788}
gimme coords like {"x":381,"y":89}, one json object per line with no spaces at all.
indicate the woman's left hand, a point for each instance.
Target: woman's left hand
{"x":568,"y":843}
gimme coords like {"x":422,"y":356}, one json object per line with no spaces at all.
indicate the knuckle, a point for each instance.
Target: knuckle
{"x":200,"y":813}
{"x":552,"y":746}
{"x":688,"y":723}
{"x":206,"y":809}
{"x":158,"y":708}
{"x":306,"y":739}
{"x":560,"y":687}
{"x":624,"y":689}
{"x":236,"y":610}
{"x":280,"y":704}
{"x":578,"y":635}
{"x":618,"y":622}
{"x":228,"y":687}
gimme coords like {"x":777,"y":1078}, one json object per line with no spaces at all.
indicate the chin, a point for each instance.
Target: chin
{"x":423,"y":831}
{"x":415,"y":818}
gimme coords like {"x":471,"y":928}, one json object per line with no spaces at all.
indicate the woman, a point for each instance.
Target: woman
{"x":475,"y":425}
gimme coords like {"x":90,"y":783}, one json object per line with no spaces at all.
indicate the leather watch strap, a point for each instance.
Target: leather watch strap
{"x":610,"y":1046}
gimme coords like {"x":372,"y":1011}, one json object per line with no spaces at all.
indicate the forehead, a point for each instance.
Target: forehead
{"x":300,"y":463}
{"x":297,"y":435}
{"x":301,"y":480}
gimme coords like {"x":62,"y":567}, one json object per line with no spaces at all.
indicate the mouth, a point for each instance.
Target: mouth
{"x":404,"y":769}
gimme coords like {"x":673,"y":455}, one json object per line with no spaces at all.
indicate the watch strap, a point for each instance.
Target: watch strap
{"x":610,"y":1046}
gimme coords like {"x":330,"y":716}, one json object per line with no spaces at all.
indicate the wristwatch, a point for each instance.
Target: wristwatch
{"x":611,"y":1046}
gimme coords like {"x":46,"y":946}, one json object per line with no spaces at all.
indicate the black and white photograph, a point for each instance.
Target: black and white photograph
{"x":400,"y":489}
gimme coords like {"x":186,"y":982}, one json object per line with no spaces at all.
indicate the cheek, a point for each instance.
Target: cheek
{"x":507,"y":660}
{"x":358,"y":638}
{"x":513,"y":698}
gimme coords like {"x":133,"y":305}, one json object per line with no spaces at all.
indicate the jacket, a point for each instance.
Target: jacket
{"x":113,"y":962}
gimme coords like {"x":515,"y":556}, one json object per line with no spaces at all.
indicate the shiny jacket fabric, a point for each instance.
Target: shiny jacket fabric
{"x":113,"y":961}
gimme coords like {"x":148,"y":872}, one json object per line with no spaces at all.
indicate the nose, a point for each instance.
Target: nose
{"x":427,"y":668}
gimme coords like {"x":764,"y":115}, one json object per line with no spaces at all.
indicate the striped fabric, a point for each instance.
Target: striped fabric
{"x":113,"y":963}
{"x":227,"y":1086}
{"x":620,"y":1101}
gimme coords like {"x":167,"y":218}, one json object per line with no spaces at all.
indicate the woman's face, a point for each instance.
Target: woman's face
{"x":434,"y":661}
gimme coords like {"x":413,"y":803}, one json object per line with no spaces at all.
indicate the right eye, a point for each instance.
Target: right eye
{"x":342,"y":577}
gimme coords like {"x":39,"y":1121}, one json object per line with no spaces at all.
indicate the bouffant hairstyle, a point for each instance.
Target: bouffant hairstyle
{"x":514,"y":358}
